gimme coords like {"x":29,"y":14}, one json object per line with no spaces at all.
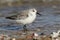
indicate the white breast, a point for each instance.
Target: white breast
{"x":28,"y":20}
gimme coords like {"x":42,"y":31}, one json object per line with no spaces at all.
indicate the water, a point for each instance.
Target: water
{"x":50,"y":20}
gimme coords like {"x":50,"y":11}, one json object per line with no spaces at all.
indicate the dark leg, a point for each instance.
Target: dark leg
{"x":24,"y":27}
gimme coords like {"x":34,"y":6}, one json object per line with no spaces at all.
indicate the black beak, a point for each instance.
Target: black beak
{"x":38,"y":13}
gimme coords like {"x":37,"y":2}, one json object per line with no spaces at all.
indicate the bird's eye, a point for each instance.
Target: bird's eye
{"x":59,"y":32}
{"x":33,"y":11}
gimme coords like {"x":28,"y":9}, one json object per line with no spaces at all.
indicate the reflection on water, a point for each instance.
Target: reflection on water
{"x":50,"y":19}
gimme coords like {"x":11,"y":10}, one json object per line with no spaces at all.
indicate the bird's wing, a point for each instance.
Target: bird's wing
{"x":21,"y":15}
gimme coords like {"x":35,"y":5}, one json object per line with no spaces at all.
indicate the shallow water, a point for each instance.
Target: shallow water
{"x":50,"y":19}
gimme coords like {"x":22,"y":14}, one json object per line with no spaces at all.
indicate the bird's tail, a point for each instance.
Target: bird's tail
{"x":8,"y":17}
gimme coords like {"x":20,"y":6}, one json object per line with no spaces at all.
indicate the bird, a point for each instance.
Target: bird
{"x":54,"y":35}
{"x":13,"y":38}
{"x":58,"y":32}
{"x":25,"y":17}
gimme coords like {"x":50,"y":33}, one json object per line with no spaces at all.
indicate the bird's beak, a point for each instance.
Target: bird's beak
{"x":38,"y":13}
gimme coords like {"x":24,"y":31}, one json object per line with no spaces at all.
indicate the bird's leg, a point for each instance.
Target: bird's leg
{"x":24,"y":27}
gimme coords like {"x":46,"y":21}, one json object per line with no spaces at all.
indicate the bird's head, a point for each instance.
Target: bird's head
{"x":34,"y":11}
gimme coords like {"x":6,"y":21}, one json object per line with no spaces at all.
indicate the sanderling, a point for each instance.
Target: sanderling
{"x":25,"y":17}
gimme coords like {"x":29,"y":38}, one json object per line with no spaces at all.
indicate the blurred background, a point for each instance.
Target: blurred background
{"x":4,"y":3}
{"x":50,"y":10}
